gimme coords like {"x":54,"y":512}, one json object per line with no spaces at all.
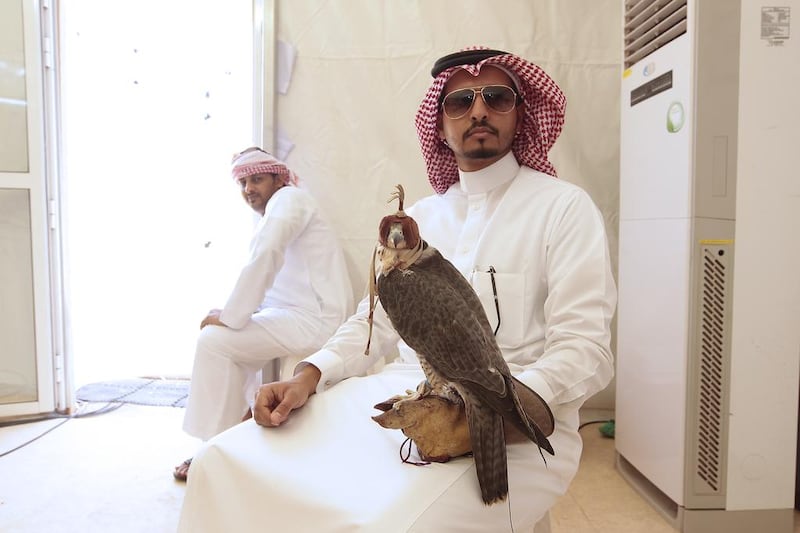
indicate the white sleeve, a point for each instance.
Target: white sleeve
{"x":285,"y":218}
{"x":343,"y":355}
{"x":577,"y":361}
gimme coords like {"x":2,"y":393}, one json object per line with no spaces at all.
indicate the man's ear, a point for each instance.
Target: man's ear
{"x":440,"y":127}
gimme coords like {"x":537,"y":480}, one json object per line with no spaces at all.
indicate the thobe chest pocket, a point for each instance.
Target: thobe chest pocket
{"x":502,"y":296}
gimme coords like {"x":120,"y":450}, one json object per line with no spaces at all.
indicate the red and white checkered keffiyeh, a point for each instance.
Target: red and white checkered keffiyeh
{"x":256,"y":161}
{"x":544,"y":107}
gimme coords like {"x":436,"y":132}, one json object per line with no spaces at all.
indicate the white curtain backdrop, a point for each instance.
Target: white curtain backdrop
{"x":362,"y":67}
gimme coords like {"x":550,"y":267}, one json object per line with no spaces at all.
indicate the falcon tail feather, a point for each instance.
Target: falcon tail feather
{"x":489,"y":451}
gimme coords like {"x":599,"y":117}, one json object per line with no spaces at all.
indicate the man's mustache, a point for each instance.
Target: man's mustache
{"x":481,"y":124}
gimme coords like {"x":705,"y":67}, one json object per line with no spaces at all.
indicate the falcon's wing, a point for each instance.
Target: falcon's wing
{"x":439,"y":266}
{"x":437,"y":313}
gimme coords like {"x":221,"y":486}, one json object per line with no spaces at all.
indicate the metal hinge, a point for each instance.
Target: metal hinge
{"x":52,"y":207}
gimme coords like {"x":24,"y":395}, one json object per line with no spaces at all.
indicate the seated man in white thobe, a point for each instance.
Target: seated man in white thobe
{"x":289,"y":298}
{"x":531,"y":242}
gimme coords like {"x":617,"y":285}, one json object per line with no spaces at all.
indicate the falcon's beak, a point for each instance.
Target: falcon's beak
{"x":396,"y":239}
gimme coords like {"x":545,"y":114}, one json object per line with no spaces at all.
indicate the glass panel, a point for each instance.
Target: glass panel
{"x":13,"y":104}
{"x":17,"y":341}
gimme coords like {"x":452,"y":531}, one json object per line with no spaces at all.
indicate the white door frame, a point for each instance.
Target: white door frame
{"x":36,"y":179}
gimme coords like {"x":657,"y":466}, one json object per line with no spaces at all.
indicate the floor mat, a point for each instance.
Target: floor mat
{"x":141,"y":391}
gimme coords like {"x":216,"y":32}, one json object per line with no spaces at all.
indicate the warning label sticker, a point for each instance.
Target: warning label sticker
{"x":775,"y":24}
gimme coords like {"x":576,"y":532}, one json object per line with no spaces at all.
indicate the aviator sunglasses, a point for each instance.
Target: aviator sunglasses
{"x":499,"y":98}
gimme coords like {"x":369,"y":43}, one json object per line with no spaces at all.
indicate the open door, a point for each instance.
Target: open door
{"x":28,"y":359}
{"x":54,"y":303}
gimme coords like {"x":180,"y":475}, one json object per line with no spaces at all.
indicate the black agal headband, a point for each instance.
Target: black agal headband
{"x":467,"y":57}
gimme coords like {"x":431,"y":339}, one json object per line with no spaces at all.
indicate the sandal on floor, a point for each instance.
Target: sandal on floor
{"x":181,"y":471}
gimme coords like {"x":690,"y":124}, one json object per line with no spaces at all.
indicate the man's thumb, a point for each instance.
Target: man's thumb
{"x":280,"y":413}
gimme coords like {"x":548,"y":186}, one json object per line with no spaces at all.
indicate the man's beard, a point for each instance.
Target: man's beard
{"x":482,"y":153}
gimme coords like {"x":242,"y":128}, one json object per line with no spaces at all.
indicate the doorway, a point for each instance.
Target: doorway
{"x":155,"y":98}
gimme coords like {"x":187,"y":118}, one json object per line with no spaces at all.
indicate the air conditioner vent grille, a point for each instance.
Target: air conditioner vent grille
{"x":712,"y":346}
{"x":650,"y":24}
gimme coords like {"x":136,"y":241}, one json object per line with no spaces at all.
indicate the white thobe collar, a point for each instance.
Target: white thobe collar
{"x":491,"y":177}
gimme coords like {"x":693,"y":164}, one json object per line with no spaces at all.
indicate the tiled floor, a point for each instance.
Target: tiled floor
{"x":112,"y":473}
{"x":599,"y":500}
{"x":101,"y":474}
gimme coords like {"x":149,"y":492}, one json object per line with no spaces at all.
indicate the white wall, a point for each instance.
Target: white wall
{"x":363,"y":66}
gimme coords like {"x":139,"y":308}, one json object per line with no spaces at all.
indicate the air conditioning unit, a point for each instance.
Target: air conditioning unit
{"x":678,"y":185}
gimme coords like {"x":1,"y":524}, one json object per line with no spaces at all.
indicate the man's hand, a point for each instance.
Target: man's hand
{"x":212,"y":318}
{"x":274,"y":401}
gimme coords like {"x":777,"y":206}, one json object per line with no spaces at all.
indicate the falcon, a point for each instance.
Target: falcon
{"x":437,"y":313}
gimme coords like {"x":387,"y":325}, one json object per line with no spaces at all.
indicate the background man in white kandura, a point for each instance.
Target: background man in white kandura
{"x":290,"y":297}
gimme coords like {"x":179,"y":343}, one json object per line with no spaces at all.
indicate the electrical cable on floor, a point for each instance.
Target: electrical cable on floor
{"x":109,"y":407}
{"x":607,"y":429}
{"x":592,"y":422}
{"x":112,"y":405}
{"x":35,"y":438}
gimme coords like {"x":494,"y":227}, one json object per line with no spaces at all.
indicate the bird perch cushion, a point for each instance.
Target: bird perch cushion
{"x":438,"y":426}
